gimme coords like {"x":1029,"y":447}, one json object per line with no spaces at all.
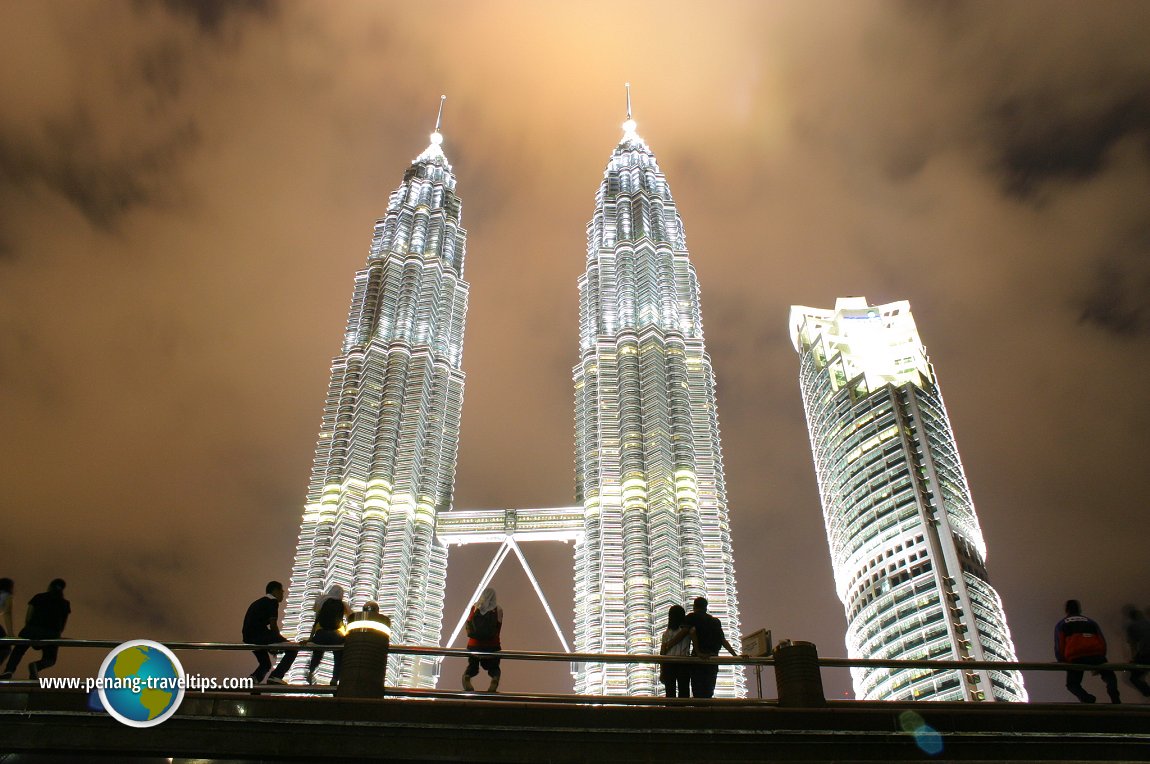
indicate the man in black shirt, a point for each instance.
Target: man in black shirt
{"x":707,"y":634}
{"x":47,"y":615}
{"x":261,"y":628}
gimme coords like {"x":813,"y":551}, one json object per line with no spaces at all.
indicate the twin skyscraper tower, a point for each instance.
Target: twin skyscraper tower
{"x":651,"y":527}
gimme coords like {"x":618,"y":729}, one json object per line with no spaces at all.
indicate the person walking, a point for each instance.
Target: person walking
{"x":1078,"y":639}
{"x":331,"y":611}
{"x":1138,"y":637}
{"x":676,"y":642}
{"x":484,"y":624}
{"x":707,"y":633}
{"x":46,"y":617}
{"x":6,"y":630}
{"x":261,"y":627}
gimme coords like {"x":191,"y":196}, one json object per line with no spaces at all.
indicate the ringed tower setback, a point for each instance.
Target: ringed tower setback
{"x":649,"y":471}
{"x":385,"y":462}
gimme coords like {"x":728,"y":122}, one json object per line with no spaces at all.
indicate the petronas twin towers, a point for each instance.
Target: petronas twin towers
{"x":649,"y":472}
{"x":385,"y":462}
{"x":653,"y":529}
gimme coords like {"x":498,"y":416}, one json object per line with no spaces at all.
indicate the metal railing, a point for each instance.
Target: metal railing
{"x":529,"y":655}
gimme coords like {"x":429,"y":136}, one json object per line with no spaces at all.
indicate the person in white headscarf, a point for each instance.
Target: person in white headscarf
{"x":334,"y":592}
{"x":331,"y":610}
{"x":483,"y":628}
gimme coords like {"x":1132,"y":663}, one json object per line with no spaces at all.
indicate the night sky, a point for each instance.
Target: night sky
{"x":187,"y":189}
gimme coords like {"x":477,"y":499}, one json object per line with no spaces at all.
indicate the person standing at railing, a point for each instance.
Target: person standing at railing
{"x":707,"y":633}
{"x":46,"y":617}
{"x":1078,"y":639}
{"x":6,"y":589}
{"x":1138,"y":637}
{"x":676,"y":677}
{"x":484,"y":624}
{"x":261,"y":627}
{"x":330,"y":612}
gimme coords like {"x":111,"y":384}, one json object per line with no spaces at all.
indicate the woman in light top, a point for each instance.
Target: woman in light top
{"x":676,"y":677}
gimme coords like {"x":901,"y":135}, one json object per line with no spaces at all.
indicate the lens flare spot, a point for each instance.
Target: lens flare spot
{"x":926,"y":737}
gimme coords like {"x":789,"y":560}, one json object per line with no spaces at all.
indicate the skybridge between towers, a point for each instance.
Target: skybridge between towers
{"x":648,"y":457}
{"x":509,"y":528}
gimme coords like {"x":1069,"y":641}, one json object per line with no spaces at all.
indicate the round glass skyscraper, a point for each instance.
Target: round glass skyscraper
{"x":908,"y":554}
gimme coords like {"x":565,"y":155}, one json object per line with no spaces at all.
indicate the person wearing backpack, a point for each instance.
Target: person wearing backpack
{"x":483,"y":626}
{"x":1078,"y":639}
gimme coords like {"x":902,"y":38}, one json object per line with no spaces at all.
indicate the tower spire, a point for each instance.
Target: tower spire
{"x":437,"y":137}
{"x":434,"y":149}
{"x":629,"y":126}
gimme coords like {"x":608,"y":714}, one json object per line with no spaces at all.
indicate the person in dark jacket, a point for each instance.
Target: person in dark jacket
{"x":46,"y":617}
{"x":261,"y":627}
{"x":329,"y":620}
{"x":707,"y":634}
{"x":1078,"y":639}
{"x":1138,"y":637}
{"x":7,"y":591}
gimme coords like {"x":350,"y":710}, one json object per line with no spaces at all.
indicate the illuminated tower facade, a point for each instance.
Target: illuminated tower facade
{"x":649,"y":472}
{"x":908,"y":555}
{"x":385,"y":463}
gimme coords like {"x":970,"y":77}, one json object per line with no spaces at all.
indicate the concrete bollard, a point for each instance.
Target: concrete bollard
{"x":797,"y":675}
{"x":365,"y":657}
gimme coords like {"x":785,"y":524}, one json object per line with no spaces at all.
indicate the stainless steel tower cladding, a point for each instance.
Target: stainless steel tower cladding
{"x":648,"y":460}
{"x":385,"y":462}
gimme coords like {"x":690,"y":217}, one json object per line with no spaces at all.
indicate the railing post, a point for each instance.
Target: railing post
{"x":365,"y":657}
{"x":797,"y":675}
